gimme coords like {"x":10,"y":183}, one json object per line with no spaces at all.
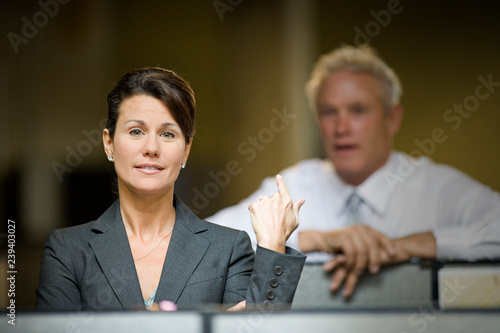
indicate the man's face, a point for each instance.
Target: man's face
{"x":357,"y":132}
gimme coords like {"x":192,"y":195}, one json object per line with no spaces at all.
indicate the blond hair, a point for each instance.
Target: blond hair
{"x":362,"y":59}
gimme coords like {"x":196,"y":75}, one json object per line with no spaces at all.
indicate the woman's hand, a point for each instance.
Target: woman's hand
{"x":241,"y":306}
{"x":274,"y":218}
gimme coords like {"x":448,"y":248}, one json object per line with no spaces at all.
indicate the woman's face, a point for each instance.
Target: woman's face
{"x":148,"y":147}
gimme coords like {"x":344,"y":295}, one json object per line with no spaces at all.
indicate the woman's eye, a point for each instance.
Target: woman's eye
{"x":135,"y":132}
{"x":168,"y":135}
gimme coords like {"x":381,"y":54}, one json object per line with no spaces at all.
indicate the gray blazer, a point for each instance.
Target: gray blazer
{"x":90,"y":267}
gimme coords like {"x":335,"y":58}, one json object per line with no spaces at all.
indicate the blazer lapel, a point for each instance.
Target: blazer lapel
{"x":187,"y":248}
{"x":112,"y":250}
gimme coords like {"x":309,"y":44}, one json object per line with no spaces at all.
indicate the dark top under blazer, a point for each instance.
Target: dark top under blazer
{"x":90,"y":267}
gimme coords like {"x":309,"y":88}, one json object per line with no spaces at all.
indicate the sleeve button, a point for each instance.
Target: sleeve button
{"x":274,"y":282}
{"x":278,"y":270}
{"x":270,"y":294}
{"x":267,"y":305}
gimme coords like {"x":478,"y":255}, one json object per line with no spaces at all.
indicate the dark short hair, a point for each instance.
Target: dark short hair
{"x":165,"y":85}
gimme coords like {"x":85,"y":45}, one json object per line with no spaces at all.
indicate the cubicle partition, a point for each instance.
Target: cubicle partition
{"x":403,"y":286}
{"x":427,"y":284}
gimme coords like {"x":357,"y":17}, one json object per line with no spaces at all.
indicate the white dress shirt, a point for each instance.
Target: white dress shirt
{"x":404,"y":197}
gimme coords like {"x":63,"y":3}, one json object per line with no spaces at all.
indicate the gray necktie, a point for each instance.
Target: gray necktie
{"x":354,"y":209}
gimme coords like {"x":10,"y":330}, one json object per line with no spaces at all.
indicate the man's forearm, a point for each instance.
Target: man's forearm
{"x":421,"y":245}
{"x":309,"y":241}
{"x":317,"y":241}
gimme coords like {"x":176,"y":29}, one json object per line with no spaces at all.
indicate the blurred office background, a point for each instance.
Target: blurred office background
{"x":247,"y":61}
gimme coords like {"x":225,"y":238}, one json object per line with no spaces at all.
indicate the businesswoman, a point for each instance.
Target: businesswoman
{"x":148,"y":246}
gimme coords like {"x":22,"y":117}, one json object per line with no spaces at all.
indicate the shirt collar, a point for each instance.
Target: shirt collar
{"x":375,"y":190}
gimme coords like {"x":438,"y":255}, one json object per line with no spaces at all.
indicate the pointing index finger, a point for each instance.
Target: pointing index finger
{"x":282,"y":189}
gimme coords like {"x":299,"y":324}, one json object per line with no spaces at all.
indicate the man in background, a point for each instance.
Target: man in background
{"x":366,"y":204}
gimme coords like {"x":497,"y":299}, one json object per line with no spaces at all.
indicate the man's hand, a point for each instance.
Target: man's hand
{"x":274,"y":218}
{"x":421,"y":245}
{"x":341,"y":275}
{"x":362,"y":247}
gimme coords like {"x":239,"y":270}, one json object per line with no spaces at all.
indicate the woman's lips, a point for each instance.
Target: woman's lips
{"x":149,"y":168}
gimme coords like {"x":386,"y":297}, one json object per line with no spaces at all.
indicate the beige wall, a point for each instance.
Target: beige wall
{"x":243,"y":67}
